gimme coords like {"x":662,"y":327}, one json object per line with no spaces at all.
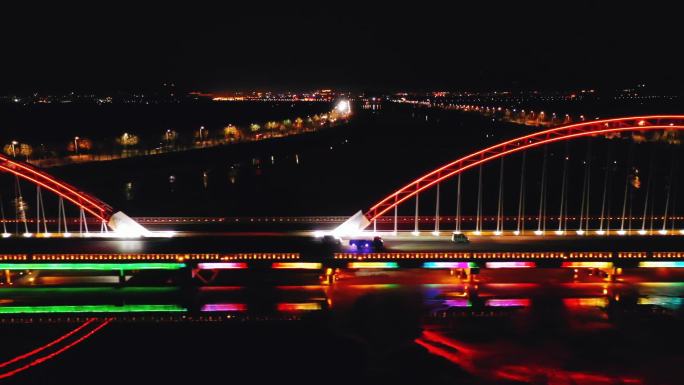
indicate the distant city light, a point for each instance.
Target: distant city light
{"x":343,"y":107}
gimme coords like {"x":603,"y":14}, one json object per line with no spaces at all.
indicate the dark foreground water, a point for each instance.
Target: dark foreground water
{"x":402,"y":327}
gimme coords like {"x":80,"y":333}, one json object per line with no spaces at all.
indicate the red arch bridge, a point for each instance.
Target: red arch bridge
{"x":90,"y":208}
{"x":636,"y":216}
{"x":632,"y":221}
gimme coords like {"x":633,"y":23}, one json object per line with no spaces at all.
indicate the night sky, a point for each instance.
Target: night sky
{"x":123,"y":46}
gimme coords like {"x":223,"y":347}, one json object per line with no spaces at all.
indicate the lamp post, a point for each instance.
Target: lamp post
{"x":76,"y":144}
{"x":14,"y":152}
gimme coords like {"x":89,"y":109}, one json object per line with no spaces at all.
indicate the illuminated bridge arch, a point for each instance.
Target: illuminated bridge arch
{"x":557,"y":134}
{"x":89,"y":204}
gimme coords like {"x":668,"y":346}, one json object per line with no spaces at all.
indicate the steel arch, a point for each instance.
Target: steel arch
{"x":556,"y":134}
{"x":87,"y":202}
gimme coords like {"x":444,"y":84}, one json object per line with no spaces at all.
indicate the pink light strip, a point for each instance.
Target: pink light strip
{"x":510,"y":265}
{"x":227,"y":307}
{"x":221,"y":265}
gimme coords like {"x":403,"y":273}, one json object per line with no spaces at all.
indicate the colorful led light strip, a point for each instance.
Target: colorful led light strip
{"x":92,"y":266}
{"x":221,"y":265}
{"x":510,"y":265}
{"x":586,"y":302}
{"x":224,"y":307}
{"x":89,"y":309}
{"x":661,"y":264}
{"x":302,"y":306}
{"x":461,"y":302}
{"x":662,"y":301}
{"x":372,"y":265}
{"x":588,"y":264}
{"x":508,"y":302}
{"x":449,"y":265}
{"x":297,"y":265}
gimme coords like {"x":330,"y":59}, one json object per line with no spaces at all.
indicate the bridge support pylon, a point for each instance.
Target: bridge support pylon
{"x":354,"y":225}
{"x":125,"y":226}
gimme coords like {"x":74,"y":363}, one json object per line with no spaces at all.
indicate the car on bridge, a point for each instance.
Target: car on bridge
{"x":368,"y":245}
{"x":459,"y":238}
{"x":331,"y":240}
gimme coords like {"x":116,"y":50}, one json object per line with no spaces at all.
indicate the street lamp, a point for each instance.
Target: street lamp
{"x":14,"y":153}
{"x":76,"y":144}
{"x":200,"y":132}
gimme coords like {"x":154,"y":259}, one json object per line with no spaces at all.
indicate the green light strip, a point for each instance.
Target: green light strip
{"x":88,"y":290}
{"x":91,"y":266}
{"x":89,"y":309}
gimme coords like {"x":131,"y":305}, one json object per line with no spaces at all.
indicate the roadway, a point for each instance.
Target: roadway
{"x":303,"y":242}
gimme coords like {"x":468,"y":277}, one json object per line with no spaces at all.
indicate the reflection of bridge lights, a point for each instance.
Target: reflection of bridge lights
{"x":435,"y":233}
{"x":221,"y":265}
{"x":642,"y":232}
{"x":621,"y":232}
{"x":47,"y":235}
{"x":661,"y":264}
{"x":477,"y":233}
{"x":662,"y":232}
{"x":6,"y":235}
{"x":509,"y":265}
{"x":224,"y":307}
{"x":458,"y":232}
{"x":681,"y":231}
{"x":497,"y":232}
{"x":516,"y":232}
{"x":588,"y":264}
{"x":508,"y":302}
{"x":449,"y":265}
{"x":580,"y":232}
{"x":415,"y":233}
{"x":372,"y":265}
{"x":297,"y":265}
{"x":66,"y":235}
{"x":600,"y":232}
{"x":559,"y":232}
{"x":300,"y":306}
{"x":90,"y":309}
{"x":27,"y":235}
{"x":93,"y":266}
{"x":538,"y":232}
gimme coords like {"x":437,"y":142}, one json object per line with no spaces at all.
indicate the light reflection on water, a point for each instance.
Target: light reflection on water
{"x":668,"y":296}
{"x":494,"y":332}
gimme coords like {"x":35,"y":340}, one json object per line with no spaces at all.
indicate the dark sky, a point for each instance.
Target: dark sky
{"x":400,"y":45}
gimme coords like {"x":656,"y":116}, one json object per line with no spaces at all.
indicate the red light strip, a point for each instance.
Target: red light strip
{"x":50,"y":178}
{"x":40,"y":360}
{"x":544,"y":138}
{"x":40,"y":349}
{"x":62,"y":194}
